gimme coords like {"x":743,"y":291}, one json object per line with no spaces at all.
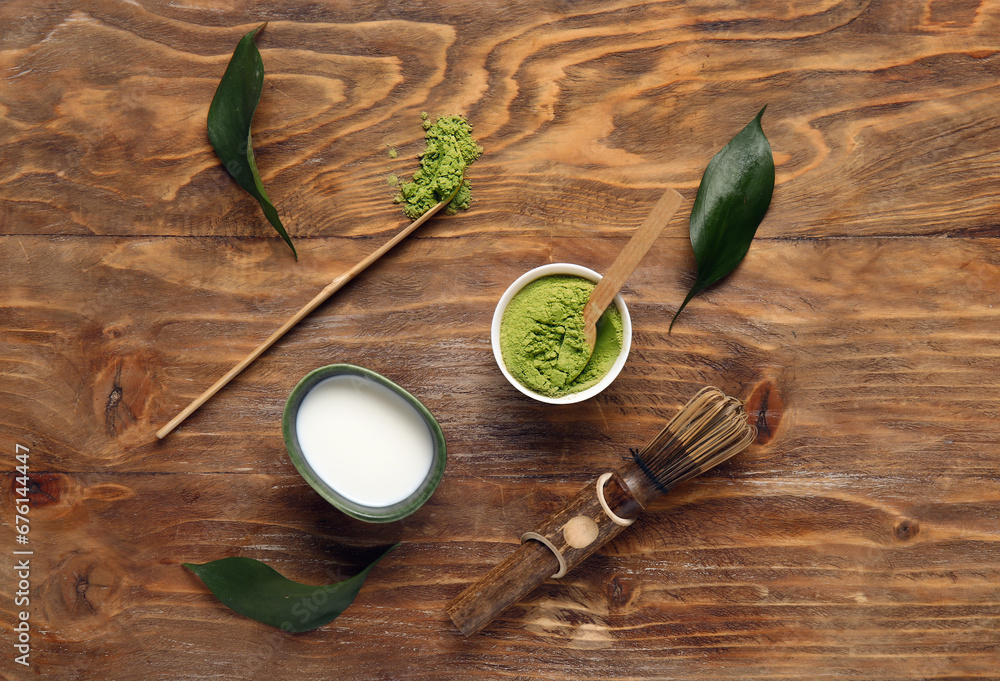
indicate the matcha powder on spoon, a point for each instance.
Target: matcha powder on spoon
{"x":450,"y":150}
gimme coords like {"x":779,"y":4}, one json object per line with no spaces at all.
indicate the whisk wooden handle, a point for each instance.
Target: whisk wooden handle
{"x":506,"y":584}
{"x":709,"y":429}
{"x":592,"y":518}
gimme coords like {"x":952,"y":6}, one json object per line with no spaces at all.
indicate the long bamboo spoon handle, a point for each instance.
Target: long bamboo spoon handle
{"x":627,"y":260}
{"x":331,"y":288}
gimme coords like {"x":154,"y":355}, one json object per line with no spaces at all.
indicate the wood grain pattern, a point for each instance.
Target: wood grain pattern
{"x":859,"y":538}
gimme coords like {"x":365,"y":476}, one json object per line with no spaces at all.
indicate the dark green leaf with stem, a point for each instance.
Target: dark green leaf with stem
{"x":732,"y":199}
{"x":229,"y":119}
{"x":258,"y":591}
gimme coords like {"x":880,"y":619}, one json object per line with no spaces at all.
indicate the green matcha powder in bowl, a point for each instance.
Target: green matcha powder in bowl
{"x":541,"y":315}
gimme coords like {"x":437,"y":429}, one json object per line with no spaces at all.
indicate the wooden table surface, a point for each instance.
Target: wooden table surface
{"x":858,"y":538}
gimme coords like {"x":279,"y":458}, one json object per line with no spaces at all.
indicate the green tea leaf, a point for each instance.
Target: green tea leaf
{"x":229,"y":119}
{"x":732,"y":199}
{"x":258,"y":591}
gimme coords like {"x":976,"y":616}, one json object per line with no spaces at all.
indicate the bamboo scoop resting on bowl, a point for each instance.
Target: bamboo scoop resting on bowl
{"x":572,"y":361}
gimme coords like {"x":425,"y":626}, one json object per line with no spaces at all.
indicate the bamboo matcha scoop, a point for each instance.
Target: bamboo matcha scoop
{"x":572,"y":362}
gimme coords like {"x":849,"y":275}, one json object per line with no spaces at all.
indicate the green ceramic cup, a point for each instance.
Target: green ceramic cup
{"x":372,"y":514}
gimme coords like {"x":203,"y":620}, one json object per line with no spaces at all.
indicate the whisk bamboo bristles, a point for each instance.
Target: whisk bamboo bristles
{"x":321,"y":297}
{"x":709,"y":429}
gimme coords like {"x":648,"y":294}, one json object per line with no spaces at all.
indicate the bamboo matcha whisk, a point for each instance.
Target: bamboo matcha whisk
{"x":705,"y":432}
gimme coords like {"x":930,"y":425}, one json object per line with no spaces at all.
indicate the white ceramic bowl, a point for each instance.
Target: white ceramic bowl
{"x":544,"y":271}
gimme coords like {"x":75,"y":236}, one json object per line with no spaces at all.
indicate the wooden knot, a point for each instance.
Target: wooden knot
{"x":620,"y":590}
{"x":123,"y":389}
{"x":765,"y":407}
{"x":906,"y":529}
{"x":43,"y":489}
